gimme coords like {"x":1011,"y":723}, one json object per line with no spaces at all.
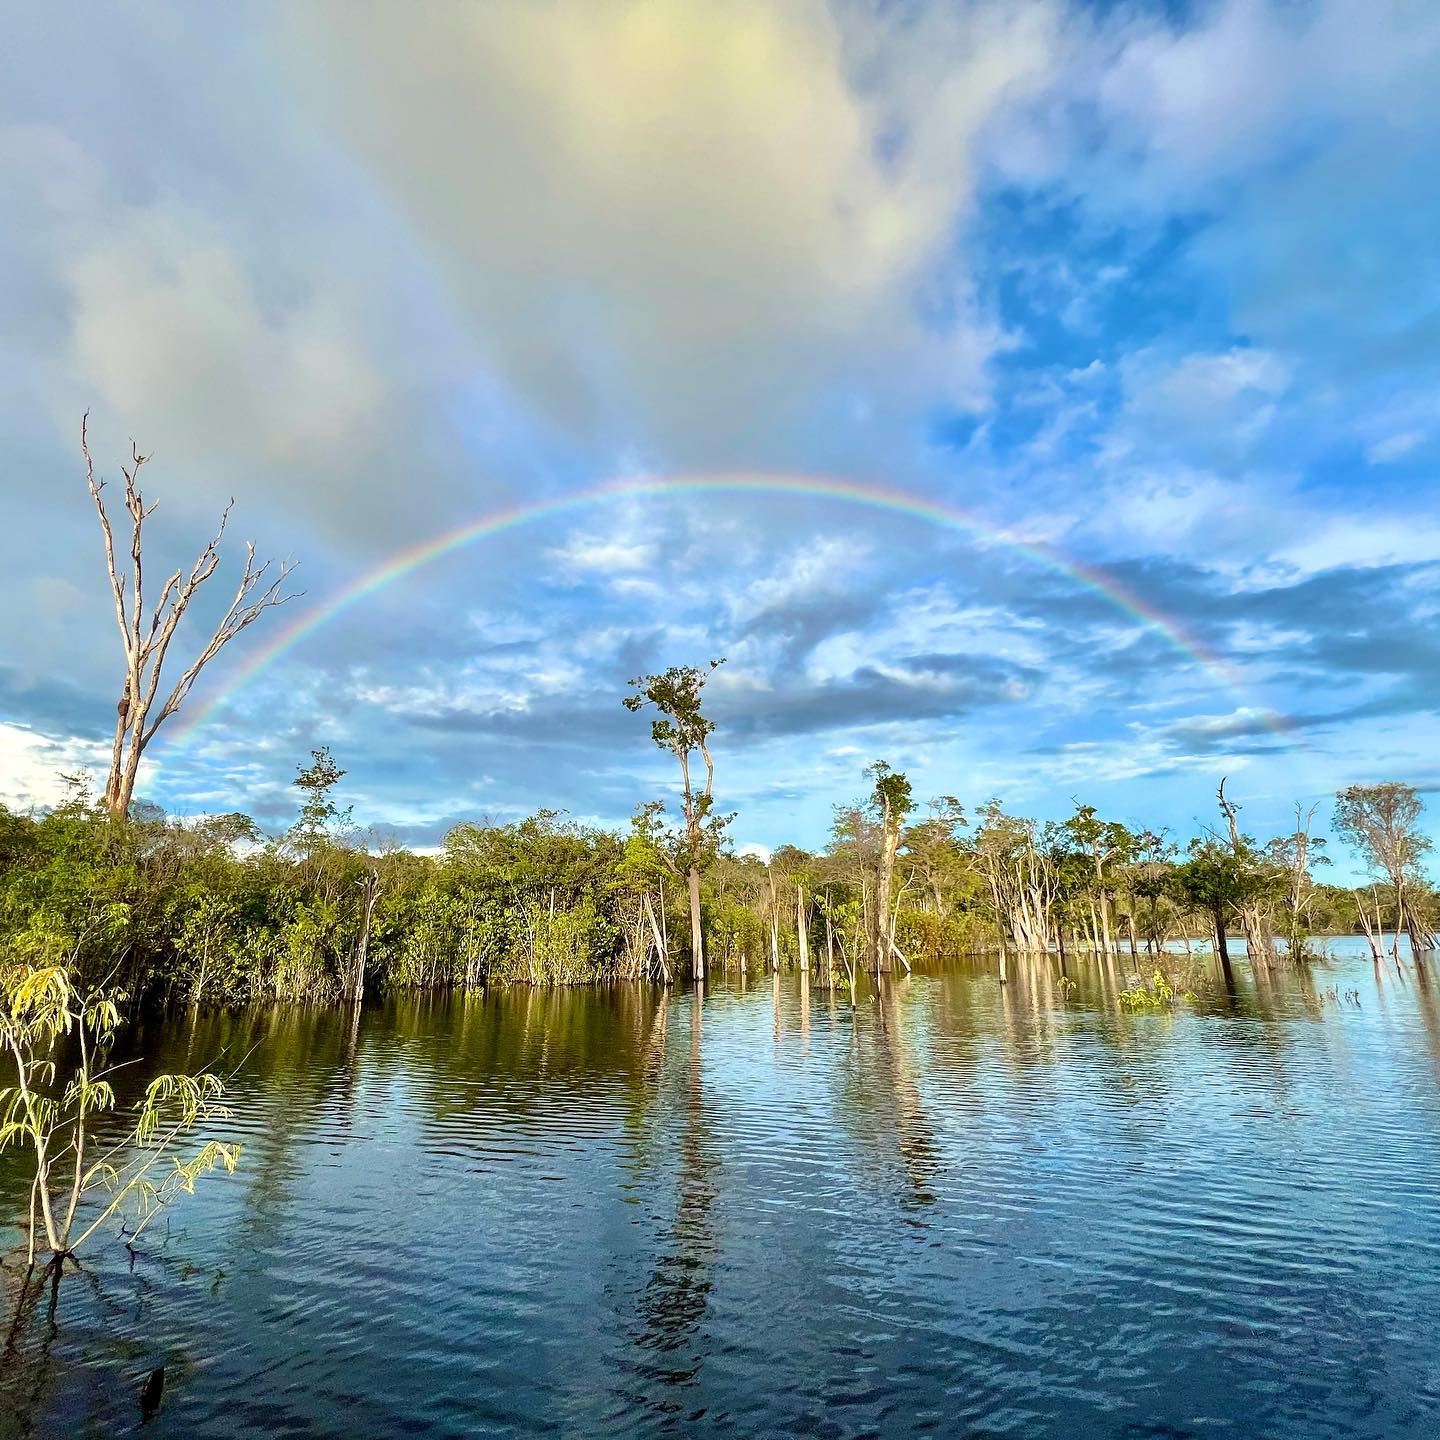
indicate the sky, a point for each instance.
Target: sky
{"x":1043,"y":397}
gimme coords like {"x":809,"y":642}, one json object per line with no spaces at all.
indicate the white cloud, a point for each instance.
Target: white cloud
{"x":1181,"y":108}
{"x":712,"y":215}
{"x":248,"y":371}
{"x":31,"y":765}
{"x":169,"y":329}
{"x":1219,"y":402}
{"x":1394,"y":447}
{"x":1351,"y":540}
{"x":824,"y":566}
{"x":606,"y":555}
{"x":1286,"y":134}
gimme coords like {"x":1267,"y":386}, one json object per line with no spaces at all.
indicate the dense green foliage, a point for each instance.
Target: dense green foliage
{"x":213,"y":911}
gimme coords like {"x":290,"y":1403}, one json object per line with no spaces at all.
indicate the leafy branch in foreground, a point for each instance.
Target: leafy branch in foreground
{"x":53,"y":1112}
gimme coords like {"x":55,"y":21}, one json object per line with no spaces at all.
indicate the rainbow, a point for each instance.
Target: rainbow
{"x":874,"y":497}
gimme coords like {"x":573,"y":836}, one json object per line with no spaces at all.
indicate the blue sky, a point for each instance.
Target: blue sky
{"x":1158,"y":286}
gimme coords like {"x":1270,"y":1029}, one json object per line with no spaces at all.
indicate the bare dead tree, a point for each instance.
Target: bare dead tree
{"x":146,"y":633}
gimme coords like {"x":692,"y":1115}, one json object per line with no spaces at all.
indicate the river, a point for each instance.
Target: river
{"x":963,"y":1209}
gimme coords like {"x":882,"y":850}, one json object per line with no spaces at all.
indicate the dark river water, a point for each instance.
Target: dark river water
{"x":964,"y":1209}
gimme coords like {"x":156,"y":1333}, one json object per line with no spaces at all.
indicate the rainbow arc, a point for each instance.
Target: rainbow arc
{"x":825,"y":488}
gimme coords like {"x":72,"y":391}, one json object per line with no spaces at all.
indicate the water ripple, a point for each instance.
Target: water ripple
{"x":962,"y":1209}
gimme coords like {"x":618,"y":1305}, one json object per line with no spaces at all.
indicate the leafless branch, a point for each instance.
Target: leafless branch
{"x":146,"y":640}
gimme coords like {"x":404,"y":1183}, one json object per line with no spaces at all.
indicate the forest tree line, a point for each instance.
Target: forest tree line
{"x":213,"y":911}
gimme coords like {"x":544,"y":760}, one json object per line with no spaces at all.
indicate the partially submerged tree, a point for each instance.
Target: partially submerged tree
{"x":933,"y":847}
{"x":890,"y":803}
{"x":1107,"y":845}
{"x":1214,"y":882}
{"x":1382,"y":823}
{"x":1256,"y":883}
{"x":1294,"y":856}
{"x":683,"y":730}
{"x":1019,"y":876}
{"x":146,"y":631}
{"x":641,"y":873}
{"x":324,"y":838}
{"x":1146,"y":878}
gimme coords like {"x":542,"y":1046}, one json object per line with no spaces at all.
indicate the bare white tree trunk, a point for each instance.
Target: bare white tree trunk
{"x":370,"y":891}
{"x":697,"y":934}
{"x":146,"y":632}
{"x":802,"y":931}
{"x":662,"y":950}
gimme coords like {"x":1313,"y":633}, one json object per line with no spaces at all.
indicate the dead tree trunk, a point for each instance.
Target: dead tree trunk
{"x":802,"y":931}
{"x":774,"y":922}
{"x":1374,"y":933}
{"x":1421,"y":940}
{"x":662,"y":949}
{"x":697,"y":934}
{"x":884,"y":881}
{"x":370,"y":890}
{"x":146,"y":632}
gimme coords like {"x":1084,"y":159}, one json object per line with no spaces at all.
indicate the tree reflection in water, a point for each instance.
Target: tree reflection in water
{"x":672,"y":1306}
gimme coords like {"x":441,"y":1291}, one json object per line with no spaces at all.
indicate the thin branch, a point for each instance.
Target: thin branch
{"x":117,"y":585}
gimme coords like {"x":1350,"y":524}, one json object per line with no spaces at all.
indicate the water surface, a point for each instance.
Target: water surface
{"x":962,"y":1209}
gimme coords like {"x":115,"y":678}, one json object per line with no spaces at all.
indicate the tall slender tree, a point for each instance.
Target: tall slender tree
{"x":146,"y":631}
{"x":683,"y":730}
{"x":318,"y":811}
{"x":890,"y":803}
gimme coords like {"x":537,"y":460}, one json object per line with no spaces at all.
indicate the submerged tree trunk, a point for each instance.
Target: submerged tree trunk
{"x":697,"y":937}
{"x":1421,"y":940}
{"x":802,"y":930}
{"x":1104,"y":936}
{"x":370,"y":889}
{"x":1259,"y":943}
{"x":1374,"y":933}
{"x":884,"y":879}
{"x":662,"y":950}
{"x":774,"y":924}
{"x":1222,"y":949}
